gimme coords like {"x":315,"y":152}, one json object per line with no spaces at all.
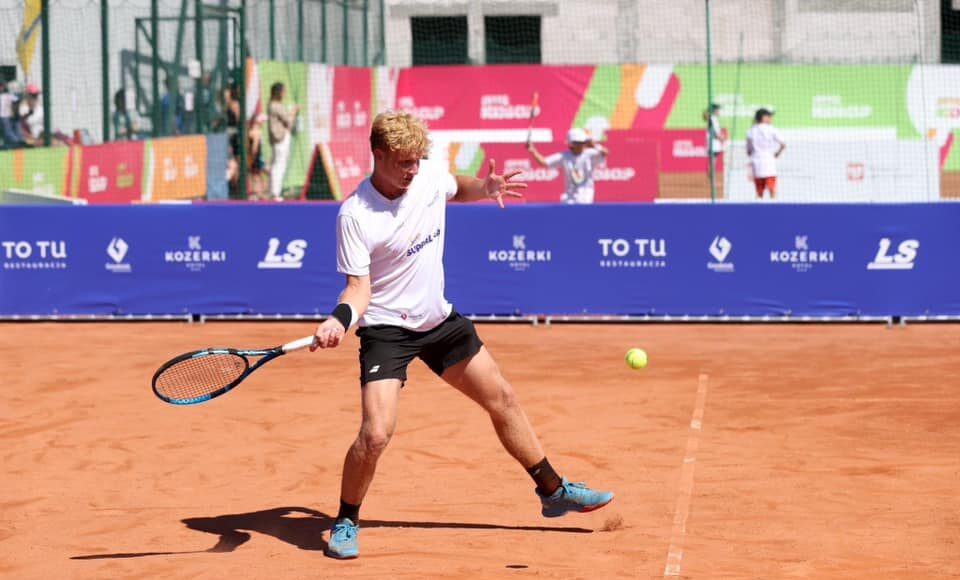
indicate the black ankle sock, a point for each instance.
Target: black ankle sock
{"x":349,"y":511}
{"x":545,"y":477}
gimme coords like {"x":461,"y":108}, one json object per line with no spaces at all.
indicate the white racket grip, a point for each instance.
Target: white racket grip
{"x":298,"y":344}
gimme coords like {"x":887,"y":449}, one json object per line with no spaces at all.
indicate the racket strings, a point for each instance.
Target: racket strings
{"x":200,"y":376}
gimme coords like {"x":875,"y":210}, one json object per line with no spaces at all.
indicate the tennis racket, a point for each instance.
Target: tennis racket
{"x":198,"y":376}
{"x":534,"y":105}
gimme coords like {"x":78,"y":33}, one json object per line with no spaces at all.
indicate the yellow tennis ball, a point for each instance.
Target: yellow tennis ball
{"x":636,"y":358}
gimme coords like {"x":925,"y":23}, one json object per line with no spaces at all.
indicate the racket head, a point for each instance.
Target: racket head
{"x":201,"y":375}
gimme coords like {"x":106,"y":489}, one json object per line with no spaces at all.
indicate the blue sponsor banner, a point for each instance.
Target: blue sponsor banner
{"x":713,"y":260}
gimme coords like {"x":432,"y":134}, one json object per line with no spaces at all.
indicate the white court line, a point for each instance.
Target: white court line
{"x":685,"y":489}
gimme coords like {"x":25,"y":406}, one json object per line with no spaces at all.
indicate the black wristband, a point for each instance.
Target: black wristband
{"x":344,"y":314}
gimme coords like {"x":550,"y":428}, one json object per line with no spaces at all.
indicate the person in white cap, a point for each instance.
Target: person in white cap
{"x":577,"y":162}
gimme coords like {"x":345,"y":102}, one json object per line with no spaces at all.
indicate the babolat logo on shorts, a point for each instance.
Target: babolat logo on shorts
{"x":34,"y":255}
{"x":801,"y":258}
{"x":195,"y":257}
{"x":520,"y":257}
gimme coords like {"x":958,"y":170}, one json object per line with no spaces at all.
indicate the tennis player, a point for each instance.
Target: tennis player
{"x":390,"y":237}
{"x":577,"y":162}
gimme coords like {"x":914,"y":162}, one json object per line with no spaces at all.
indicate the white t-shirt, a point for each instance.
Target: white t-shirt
{"x":765,"y":140}
{"x":399,"y":243}
{"x":577,"y":173}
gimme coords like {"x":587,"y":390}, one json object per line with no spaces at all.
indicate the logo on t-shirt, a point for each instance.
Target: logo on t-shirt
{"x":415,"y":248}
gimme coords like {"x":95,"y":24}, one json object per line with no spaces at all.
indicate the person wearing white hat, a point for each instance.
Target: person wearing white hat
{"x":578,"y":162}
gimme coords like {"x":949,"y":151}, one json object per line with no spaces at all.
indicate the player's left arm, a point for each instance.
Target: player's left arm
{"x":494,"y":186}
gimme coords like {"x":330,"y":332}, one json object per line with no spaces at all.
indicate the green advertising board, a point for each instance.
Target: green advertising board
{"x":802,"y":96}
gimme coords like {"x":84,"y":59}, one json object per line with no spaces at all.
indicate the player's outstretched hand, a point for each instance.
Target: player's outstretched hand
{"x":328,"y":334}
{"x":497,"y":186}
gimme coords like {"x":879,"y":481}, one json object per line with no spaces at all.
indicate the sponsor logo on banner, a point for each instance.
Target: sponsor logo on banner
{"x":96,"y":183}
{"x":499,"y":107}
{"x":426,"y":113}
{"x":180,"y":167}
{"x":117,"y":250}
{"x":195,"y":257}
{"x":530,"y":173}
{"x":948,"y":108}
{"x":520,"y":258}
{"x":35,"y":255}
{"x":833,"y":107}
{"x":856,"y":171}
{"x":903,"y":259}
{"x":720,"y":250}
{"x":686,"y":148}
{"x":635,"y":253}
{"x":801,"y":258}
{"x":290,"y":259}
{"x":351,"y":116}
{"x":614,"y":173}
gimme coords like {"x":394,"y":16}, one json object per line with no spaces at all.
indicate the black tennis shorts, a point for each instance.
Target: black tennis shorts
{"x":386,"y":350}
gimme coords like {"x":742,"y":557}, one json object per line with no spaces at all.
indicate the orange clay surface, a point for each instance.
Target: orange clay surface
{"x":822,"y":452}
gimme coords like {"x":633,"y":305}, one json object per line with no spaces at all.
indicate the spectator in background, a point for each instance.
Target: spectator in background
{"x":281,"y":124}
{"x":9,"y":125}
{"x":764,"y":146}
{"x":172,"y":109}
{"x":715,"y":134}
{"x":258,"y":182}
{"x":122,"y":121}
{"x":30,"y":111}
{"x":577,"y":162}
{"x":207,"y":103}
{"x":231,"y":108}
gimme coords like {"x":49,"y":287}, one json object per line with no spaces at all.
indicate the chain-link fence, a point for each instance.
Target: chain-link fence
{"x":862,"y":92}
{"x":103,"y":59}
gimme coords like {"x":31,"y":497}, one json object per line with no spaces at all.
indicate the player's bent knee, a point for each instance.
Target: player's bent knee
{"x":502,"y":399}
{"x":374,"y":440}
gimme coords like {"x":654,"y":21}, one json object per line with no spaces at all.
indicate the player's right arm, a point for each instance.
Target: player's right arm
{"x":353,"y":260}
{"x":537,"y":156}
{"x":356,"y":296}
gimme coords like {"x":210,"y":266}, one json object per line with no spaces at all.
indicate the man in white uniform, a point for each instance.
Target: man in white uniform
{"x":577,"y":162}
{"x":390,"y":235}
{"x":764,"y":145}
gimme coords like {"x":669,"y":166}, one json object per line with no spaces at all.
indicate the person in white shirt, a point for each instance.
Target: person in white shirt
{"x":715,"y":134}
{"x":390,"y":238}
{"x":577,"y":162}
{"x":764,"y":145}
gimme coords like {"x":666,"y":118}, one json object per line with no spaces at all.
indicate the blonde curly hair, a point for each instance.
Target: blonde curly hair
{"x":399,"y":132}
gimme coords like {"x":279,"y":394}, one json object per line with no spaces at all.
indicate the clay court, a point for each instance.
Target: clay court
{"x":742,"y":451}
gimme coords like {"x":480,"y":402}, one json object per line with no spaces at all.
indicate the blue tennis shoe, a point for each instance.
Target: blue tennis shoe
{"x":343,"y":540}
{"x":573,"y":497}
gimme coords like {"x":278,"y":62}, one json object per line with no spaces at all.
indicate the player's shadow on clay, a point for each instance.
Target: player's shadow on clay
{"x":300,"y":527}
